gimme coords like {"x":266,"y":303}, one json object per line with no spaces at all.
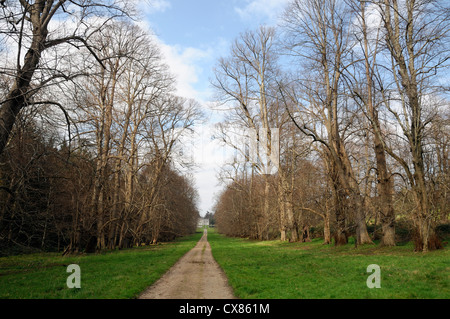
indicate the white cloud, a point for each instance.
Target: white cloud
{"x":267,"y":10}
{"x":185,"y":65}
{"x":153,"y":6}
{"x":192,"y":67}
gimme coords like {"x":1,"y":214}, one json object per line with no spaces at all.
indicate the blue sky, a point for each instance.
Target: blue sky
{"x":200,"y":22}
{"x":193,"y":35}
{"x":195,"y":22}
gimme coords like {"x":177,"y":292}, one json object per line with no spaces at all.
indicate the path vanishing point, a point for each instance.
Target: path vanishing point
{"x":195,"y":276}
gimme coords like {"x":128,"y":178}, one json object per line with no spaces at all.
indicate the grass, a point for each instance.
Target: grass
{"x":111,"y":275}
{"x":275,"y":270}
{"x":256,"y":270}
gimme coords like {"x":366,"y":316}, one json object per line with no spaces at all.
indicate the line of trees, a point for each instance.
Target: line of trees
{"x":89,"y":125}
{"x":363,"y":119}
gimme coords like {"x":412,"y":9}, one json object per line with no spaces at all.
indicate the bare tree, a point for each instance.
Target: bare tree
{"x":248,"y":80}
{"x":107,"y":77}
{"x":34,"y":29}
{"x":170,"y":118}
{"x":317,"y":33}
{"x":416,"y":34}
{"x":365,"y":93}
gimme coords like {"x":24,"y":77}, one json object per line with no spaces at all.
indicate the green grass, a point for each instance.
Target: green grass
{"x":275,"y":270}
{"x":256,"y":270}
{"x":112,"y":275}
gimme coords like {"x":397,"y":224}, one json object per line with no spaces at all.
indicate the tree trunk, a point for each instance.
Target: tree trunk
{"x":17,"y":97}
{"x":266,"y":211}
{"x":385,"y":184}
{"x":8,"y":113}
{"x":287,"y":218}
{"x":362,"y":235}
{"x":406,"y":60}
{"x":326,"y":229}
{"x":283,"y":228}
{"x":292,"y":226}
{"x":385,"y":190}
{"x":353,"y":199}
{"x":340,"y":236}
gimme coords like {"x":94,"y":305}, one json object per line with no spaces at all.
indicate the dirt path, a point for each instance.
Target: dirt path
{"x":195,"y":276}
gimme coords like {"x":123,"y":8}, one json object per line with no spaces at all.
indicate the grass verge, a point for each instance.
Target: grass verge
{"x":111,"y":275}
{"x":275,"y":270}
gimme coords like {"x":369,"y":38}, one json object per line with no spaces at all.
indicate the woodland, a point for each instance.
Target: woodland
{"x":348,"y":100}
{"x":351,"y":96}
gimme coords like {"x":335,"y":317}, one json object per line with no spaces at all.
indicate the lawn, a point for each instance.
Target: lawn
{"x":275,"y":270}
{"x":256,"y":270}
{"x":111,"y":275}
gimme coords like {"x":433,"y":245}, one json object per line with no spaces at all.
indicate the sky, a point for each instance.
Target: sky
{"x":193,"y":35}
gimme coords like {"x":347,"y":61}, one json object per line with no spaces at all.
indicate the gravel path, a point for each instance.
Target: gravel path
{"x":195,"y":276}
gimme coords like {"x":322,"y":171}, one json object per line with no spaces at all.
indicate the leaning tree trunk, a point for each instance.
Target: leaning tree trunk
{"x":18,"y":95}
